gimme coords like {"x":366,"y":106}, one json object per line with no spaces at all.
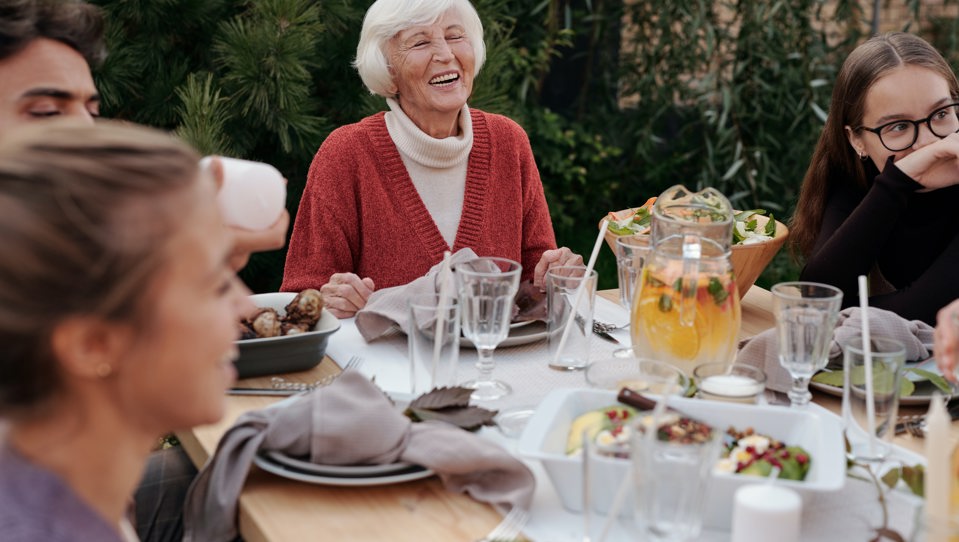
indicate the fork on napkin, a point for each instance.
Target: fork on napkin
{"x":323,"y":426}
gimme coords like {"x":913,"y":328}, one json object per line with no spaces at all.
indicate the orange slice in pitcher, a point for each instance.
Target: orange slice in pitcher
{"x":659,"y":318}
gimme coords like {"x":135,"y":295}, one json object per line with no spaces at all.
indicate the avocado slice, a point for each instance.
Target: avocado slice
{"x":760,"y":467}
{"x":595,"y":421}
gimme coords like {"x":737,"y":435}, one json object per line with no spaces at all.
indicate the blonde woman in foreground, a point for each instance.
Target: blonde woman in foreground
{"x":117,"y":318}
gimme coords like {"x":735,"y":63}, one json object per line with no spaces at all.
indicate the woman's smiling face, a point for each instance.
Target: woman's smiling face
{"x":432,"y":67}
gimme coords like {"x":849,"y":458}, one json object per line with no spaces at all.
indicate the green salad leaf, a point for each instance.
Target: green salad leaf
{"x":746,"y":228}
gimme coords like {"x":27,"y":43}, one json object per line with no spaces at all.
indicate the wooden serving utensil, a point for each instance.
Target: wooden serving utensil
{"x":637,"y":400}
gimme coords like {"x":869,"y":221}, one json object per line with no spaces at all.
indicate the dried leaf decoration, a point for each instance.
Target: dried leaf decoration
{"x":450,"y":405}
{"x":439,"y":398}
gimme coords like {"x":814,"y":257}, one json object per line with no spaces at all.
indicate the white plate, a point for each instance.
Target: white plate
{"x":526,"y":334}
{"x":270,"y":466}
{"x":922,"y":395}
{"x":342,"y":471}
{"x":524,"y":323}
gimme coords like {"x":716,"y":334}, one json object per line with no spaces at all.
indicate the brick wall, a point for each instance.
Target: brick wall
{"x":895,"y":14}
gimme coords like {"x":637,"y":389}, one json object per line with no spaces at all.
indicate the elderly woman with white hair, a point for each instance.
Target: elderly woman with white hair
{"x":387,"y":196}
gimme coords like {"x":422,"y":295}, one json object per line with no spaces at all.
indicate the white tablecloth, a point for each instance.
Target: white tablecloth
{"x":845,"y":515}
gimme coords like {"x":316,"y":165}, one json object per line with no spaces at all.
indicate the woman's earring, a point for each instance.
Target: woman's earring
{"x":863,"y":156}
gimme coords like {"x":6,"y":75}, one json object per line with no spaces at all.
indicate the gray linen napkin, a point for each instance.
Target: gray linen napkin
{"x":349,"y":422}
{"x":762,"y":350}
{"x":388,"y":308}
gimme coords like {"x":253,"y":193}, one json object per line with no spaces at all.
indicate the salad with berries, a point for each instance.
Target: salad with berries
{"x":610,"y":429}
{"x":749,"y":453}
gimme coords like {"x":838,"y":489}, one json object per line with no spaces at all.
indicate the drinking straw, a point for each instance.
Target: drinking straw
{"x":867,"y":358}
{"x":580,"y":289}
{"x":440,"y":315}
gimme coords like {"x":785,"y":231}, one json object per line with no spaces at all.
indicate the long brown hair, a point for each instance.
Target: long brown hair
{"x":835,"y":161}
{"x":86,"y":213}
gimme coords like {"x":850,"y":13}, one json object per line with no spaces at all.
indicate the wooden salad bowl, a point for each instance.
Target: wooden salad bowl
{"x":748,"y":261}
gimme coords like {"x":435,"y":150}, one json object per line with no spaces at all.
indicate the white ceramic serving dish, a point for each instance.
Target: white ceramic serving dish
{"x":814,"y":428}
{"x":289,"y":353}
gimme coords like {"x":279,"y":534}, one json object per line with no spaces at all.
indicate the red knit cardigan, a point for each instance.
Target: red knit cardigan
{"x":361,"y":213}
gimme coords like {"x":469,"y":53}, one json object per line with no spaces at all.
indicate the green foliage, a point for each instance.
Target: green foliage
{"x":621,"y":98}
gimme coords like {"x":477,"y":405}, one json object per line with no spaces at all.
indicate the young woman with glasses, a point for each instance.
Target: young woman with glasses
{"x":880,"y":195}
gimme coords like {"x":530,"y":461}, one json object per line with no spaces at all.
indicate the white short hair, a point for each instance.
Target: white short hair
{"x":387,"y":18}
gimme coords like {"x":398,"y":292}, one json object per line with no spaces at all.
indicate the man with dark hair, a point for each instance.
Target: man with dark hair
{"x":47,"y":48}
{"x":46,"y":51}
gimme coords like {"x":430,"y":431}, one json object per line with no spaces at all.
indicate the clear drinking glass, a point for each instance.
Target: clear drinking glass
{"x":570,"y":298}
{"x":671,"y":480}
{"x":887,"y":357}
{"x":486,"y":288}
{"x":631,"y":254}
{"x":806,"y":314}
{"x":434,"y":347}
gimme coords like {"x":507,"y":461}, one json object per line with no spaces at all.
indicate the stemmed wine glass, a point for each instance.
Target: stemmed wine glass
{"x":487,"y":287}
{"x":806,"y":314}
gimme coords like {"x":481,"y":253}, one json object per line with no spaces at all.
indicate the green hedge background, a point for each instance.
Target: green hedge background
{"x":620,"y":100}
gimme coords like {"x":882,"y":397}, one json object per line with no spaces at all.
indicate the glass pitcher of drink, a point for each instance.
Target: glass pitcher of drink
{"x":686,"y":310}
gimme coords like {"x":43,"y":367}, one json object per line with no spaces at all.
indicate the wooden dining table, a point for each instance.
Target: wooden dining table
{"x":276,"y":509}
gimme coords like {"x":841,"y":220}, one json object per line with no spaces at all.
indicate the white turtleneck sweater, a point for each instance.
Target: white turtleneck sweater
{"x":436,"y":166}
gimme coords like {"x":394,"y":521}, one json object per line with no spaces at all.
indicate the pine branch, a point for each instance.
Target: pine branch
{"x":203,"y":115}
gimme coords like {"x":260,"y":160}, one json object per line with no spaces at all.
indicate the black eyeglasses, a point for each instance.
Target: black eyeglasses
{"x":899,"y":135}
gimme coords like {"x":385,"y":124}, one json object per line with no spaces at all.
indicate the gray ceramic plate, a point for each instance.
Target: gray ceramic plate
{"x":922,"y":395}
{"x":413,"y":473}
{"x":287,"y":354}
{"x":344,"y":471}
{"x":518,"y":335}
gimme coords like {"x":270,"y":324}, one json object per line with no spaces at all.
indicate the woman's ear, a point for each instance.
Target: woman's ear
{"x":855,"y":140}
{"x":87,"y":347}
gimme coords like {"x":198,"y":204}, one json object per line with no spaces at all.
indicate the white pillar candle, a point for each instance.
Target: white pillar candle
{"x":253,"y":194}
{"x":938,"y":451}
{"x":763,"y":512}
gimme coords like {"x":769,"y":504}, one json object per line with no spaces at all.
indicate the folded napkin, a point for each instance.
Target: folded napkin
{"x":388,"y":308}
{"x":762,"y":350}
{"x":349,"y":422}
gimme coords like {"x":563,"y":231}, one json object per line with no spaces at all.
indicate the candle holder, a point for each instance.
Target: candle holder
{"x":734,"y":383}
